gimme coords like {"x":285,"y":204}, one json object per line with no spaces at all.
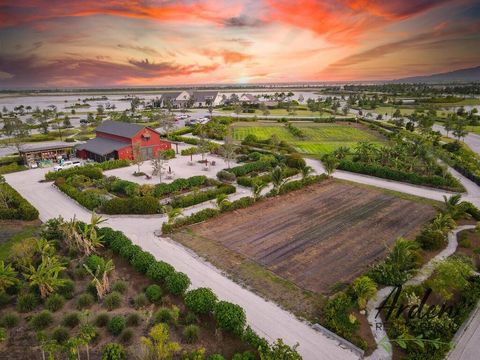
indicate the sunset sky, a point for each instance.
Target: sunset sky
{"x":63,"y":43}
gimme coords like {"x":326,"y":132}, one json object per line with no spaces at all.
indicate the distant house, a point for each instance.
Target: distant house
{"x":178,"y":99}
{"x":202,"y":98}
{"x":115,"y":140}
{"x":248,"y":99}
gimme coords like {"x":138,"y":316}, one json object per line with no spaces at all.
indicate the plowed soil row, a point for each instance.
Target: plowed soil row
{"x":318,"y":236}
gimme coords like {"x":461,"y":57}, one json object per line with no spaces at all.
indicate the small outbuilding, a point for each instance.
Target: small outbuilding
{"x":38,"y":154}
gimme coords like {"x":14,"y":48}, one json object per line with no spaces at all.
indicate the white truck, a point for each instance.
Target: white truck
{"x":67,"y":165}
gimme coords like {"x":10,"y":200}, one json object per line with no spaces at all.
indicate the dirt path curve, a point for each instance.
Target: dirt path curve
{"x":266,"y":318}
{"x":378,"y":331}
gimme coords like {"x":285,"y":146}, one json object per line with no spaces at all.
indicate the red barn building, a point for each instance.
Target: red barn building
{"x":115,"y":140}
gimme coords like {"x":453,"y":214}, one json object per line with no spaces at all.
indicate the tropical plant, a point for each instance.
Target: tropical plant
{"x":278,"y":179}
{"x":279,"y":350}
{"x":258,"y":186}
{"x":452,"y":205}
{"x":364,"y":289}
{"x":8,"y":276}
{"x":330,"y":163}
{"x":46,"y":275}
{"x":100,"y":277}
{"x":158,"y":345}
{"x":113,"y":351}
{"x":306,"y":171}
{"x":172,"y":213}
{"x":449,"y":275}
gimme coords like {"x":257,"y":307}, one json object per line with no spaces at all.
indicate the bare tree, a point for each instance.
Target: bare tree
{"x":166,"y":121}
{"x":227,"y":150}
{"x":158,"y":164}
{"x":137,"y":155}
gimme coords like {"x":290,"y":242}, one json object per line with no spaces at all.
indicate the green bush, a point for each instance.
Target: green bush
{"x":191,"y":334}
{"x":93,"y":262}
{"x":241,"y":203}
{"x":41,"y":320}
{"x":90,"y":171}
{"x":126,"y":336}
{"x":4,"y":299}
{"x":224,"y":175}
{"x":91,"y":199}
{"x":336,"y":314}
{"x":18,"y":208}
{"x":191,"y":318}
{"x":431,"y":240}
{"x":67,"y":290}
{"x":296,"y":161}
{"x":141,"y":261}
{"x":113,"y":164}
{"x":154,"y":293}
{"x":197,"y":217}
{"x":177,"y":283}
{"x":133,"y":319}
{"x":102,"y":320}
{"x":85,"y":301}
{"x":71,"y":320}
{"x":112,"y":300}
{"x":9,"y":320}
{"x":216,"y":357}
{"x":230,"y":317}
{"x":128,"y":252}
{"x":163,"y":315}
{"x":113,"y":351}
{"x":448,"y":182}
{"x":256,"y":166}
{"x":159,"y":270}
{"x":178,"y":185}
{"x":54,"y":302}
{"x":140,"y":301}
{"x":201,"y":196}
{"x":201,"y":300}
{"x":26,"y":302}
{"x":144,"y":205}
{"x":119,"y":241}
{"x":60,"y":335}
{"x":116,"y":325}
{"x":120,"y":286}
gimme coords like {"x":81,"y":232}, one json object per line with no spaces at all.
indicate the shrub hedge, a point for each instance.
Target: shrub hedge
{"x":179,"y":185}
{"x":243,"y":170}
{"x":18,"y":208}
{"x":133,"y":205}
{"x":202,"y":196}
{"x":448,"y":182}
{"x":93,"y":171}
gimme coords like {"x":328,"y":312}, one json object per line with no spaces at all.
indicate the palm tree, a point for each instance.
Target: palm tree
{"x":330,"y":164}
{"x":342,"y":152}
{"x":8,"y":276}
{"x":100,"y":277}
{"x":45,"y":276}
{"x":306,"y":170}
{"x":258,"y":186}
{"x":172,"y":213}
{"x":278,"y":179}
{"x":443,"y":223}
{"x":452,"y":205}
{"x":221,"y":200}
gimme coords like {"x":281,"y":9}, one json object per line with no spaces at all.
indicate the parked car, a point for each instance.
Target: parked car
{"x":67,"y":165}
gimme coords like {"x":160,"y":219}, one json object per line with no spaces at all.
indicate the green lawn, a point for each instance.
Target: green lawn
{"x":320,"y":138}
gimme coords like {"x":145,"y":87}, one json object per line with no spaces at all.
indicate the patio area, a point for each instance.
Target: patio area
{"x":180,"y":166}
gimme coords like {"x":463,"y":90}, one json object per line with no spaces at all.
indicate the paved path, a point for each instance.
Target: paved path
{"x":472,"y":140}
{"x":266,"y":318}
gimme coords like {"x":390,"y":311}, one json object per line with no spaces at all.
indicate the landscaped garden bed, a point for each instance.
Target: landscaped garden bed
{"x":112,"y":195}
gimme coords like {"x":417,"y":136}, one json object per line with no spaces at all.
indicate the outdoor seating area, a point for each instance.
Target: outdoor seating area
{"x":179,"y":167}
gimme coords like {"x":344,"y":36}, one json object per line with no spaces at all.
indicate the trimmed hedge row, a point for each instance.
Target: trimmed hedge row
{"x":228,"y":316}
{"x":87,"y":198}
{"x":298,"y":184}
{"x":93,"y":171}
{"x":202,"y":196}
{"x":10,"y":168}
{"x":197,"y":217}
{"x":447,"y":183}
{"x":134,"y":205}
{"x":17,"y":207}
{"x":249,"y":181}
{"x":179,"y":185}
{"x":243,"y":170}
{"x":90,"y":171}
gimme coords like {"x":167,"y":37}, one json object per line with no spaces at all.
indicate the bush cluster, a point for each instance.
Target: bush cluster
{"x":177,"y":283}
{"x":448,"y":182}
{"x":133,"y":205}
{"x":178,"y":185}
{"x":224,"y":175}
{"x":202,"y":196}
{"x":201,"y":301}
{"x":90,"y":171}
{"x":116,"y":325}
{"x":256,"y":166}
{"x":17,"y":207}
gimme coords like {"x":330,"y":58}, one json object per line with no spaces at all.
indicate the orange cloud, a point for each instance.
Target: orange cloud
{"x":228,"y":56}
{"x":37,"y":10}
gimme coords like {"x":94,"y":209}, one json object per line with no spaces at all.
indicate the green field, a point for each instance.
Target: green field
{"x":320,"y":138}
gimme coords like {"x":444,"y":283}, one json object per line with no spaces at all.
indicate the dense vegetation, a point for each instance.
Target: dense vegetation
{"x":13,"y":205}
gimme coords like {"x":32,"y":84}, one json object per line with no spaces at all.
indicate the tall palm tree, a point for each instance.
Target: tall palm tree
{"x":452,"y":205}
{"x":45,"y":276}
{"x":8,"y":276}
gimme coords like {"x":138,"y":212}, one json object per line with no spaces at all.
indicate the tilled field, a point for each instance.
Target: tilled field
{"x":316,"y":237}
